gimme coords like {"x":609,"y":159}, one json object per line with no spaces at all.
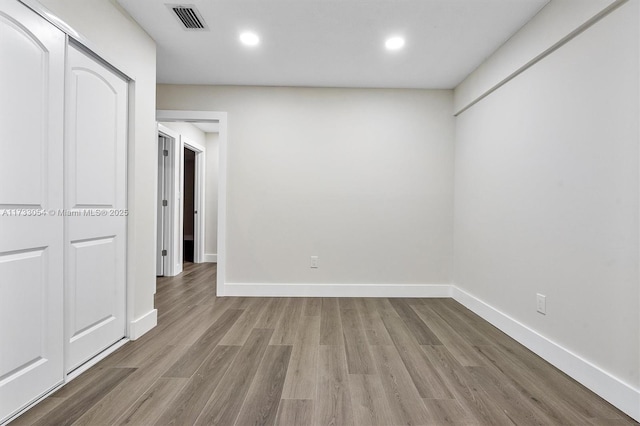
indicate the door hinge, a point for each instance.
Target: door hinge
{"x":165,"y":152}
{"x":164,"y":252}
{"x":164,"y":203}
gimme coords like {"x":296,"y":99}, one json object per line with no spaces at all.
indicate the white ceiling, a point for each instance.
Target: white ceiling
{"x":331,"y":43}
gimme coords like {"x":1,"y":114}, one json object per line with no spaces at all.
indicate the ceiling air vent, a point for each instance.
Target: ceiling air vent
{"x":188,"y":16}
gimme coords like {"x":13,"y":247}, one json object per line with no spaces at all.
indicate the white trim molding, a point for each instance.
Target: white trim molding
{"x":140,"y":326}
{"x":336,"y":290}
{"x":210,"y":258}
{"x":620,"y":394}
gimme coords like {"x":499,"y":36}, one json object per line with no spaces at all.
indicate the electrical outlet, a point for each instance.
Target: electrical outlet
{"x":541,"y":303}
{"x":314,"y":262}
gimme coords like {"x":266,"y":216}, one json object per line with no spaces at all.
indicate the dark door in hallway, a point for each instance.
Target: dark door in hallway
{"x":188,"y":200}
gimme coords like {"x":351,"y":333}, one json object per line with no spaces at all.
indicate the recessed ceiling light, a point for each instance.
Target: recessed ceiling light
{"x":394,"y":43}
{"x":249,"y":39}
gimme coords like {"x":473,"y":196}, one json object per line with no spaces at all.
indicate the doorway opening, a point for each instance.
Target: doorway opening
{"x":187,"y":195}
{"x":188,"y":205}
{"x":209,"y":222}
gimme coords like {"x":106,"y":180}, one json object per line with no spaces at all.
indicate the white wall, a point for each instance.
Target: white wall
{"x":557,"y":20}
{"x":361,"y":178}
{"x":187,"y":130}
{"x":211,"y":198}
{"x":119,"y":39}
{"x":546,"y":178}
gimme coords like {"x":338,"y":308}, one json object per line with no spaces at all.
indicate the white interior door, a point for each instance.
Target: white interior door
{"x":172,"y":262}
{"x":95,"y":197}
{"x":161,"y":246}
{"x":31,"y":232}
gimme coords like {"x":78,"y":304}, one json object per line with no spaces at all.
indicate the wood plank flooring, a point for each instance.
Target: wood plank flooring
{"x":296,"y":362}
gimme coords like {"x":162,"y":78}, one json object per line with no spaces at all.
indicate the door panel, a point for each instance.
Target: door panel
{"x":95,"y":150}
{"x":31,"y":177}
{"x":24,"y":63}
{"x":99,"y":301}
{"x":25,"y":275}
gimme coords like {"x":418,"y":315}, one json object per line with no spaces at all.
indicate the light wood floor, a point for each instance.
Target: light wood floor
{"x":295,"y":361}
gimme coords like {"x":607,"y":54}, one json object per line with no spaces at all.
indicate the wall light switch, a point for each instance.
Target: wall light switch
{"x":541,"y":303}
{"x":314,"y":261}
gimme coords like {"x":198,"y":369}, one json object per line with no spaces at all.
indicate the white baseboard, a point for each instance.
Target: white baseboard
{"x":337,"y":290}
{"x":140,"y":326}
{"x":210,"y":258}
{"x":610,"y":388}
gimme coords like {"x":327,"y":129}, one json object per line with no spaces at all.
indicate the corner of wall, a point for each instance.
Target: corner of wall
{"x":143,"y":324}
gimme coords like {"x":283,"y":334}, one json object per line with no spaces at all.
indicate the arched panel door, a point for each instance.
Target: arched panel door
{"x":31,"y":201}
{"x":95,"y":197}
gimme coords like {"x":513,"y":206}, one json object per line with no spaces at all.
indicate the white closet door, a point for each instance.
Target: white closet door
{"x":95,"y":194}
{"x":31,"y":176}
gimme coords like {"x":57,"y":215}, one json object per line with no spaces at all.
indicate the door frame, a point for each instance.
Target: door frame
{"x":221,"y":119}
{"x":198,"y":199}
